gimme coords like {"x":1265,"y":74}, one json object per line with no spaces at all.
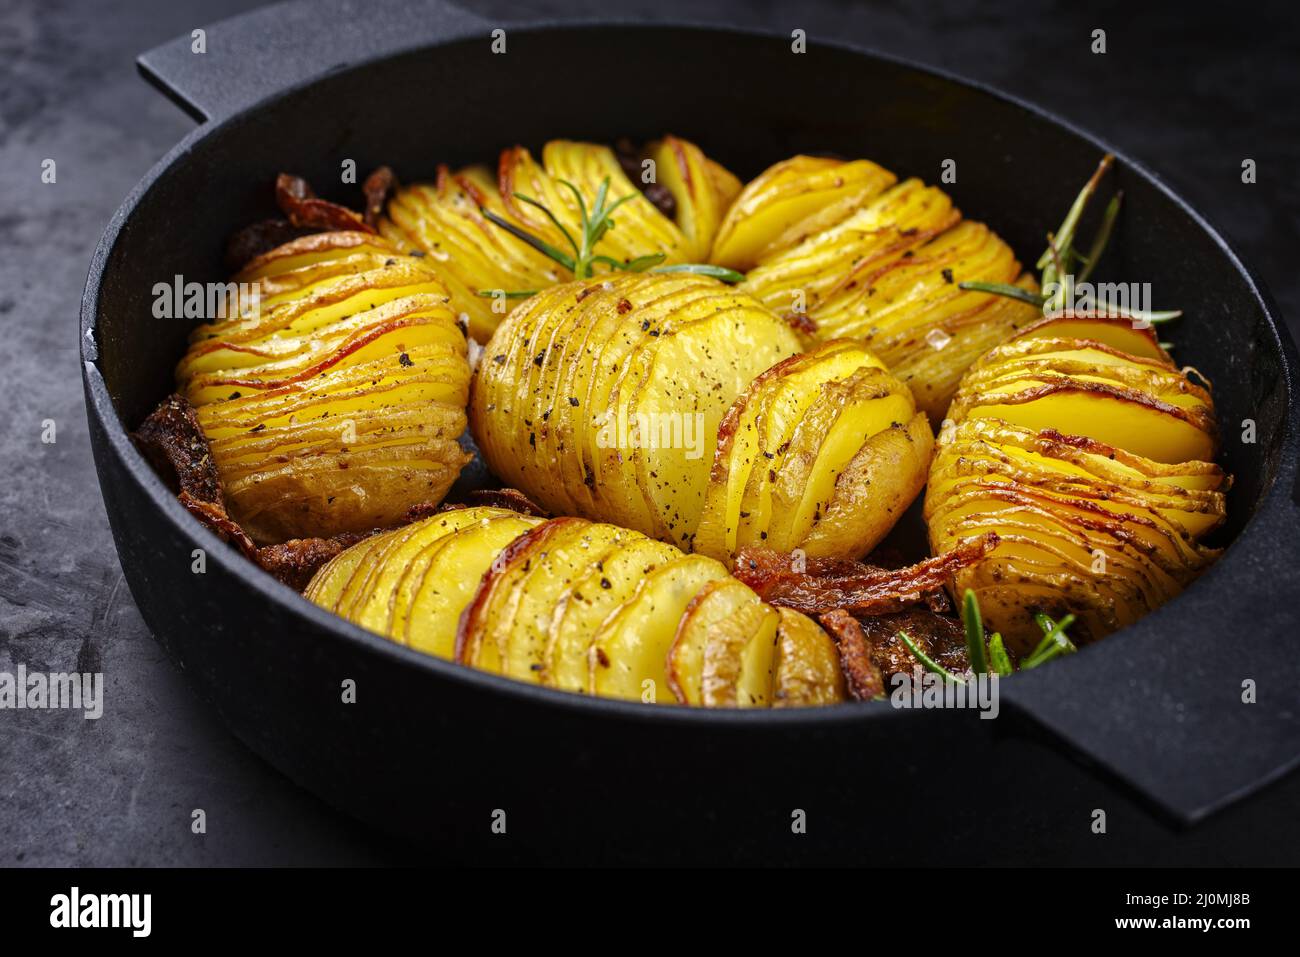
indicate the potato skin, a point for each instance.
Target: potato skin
{"x":581,"y":607}
{"x":339,"y":406}
{"x":1086,"y":525}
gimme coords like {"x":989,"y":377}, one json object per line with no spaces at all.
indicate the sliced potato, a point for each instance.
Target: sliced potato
{"x":628,"y":657}
{"x":481,"y":633}
{"x":558,"y":567}
{"x":702,"y":190}
{"x":807,"y":668}
{"x":790,"y":200}
{"x":338,"y":405}
{"x":1092,"y":463}
{"x":871,"y":492}
{"x":716,"y":601}
{"x":827,"y":438}
{"x":455,"y":567}
{"x":739,"y":652}
{"x":591,"y":601}
{"x":579,"y":384}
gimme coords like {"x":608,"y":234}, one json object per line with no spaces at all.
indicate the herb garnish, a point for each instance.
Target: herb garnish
{"x":594,"y":225}
{"x":988,"y":654}
{"x":1060,"y":259}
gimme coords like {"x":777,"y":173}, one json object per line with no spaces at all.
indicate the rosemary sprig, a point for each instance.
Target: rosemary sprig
{"x":1060,"y":258}
{"x":1055,"y":642}
{"x":988,"y":653}
{"x":927,"y":662}
{"x":974,"y":624}
{"x":593,"y":225}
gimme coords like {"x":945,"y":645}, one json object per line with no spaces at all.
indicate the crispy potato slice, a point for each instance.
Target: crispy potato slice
{"x":879,"y":233}
{"x":480,"y":637}
{"x":628,"y":655}
{"x":843,"y":418}
{"x":444,"y":221}
{"x":642,"y":229}
{"x":452,"y":573}
{"x":327,"y":585}
{"x":588,"y":604}
{"x":1114,"y":415}
{"x":783,"y":402}
{"x":375,"y":601}
{"x":739,"y":652}
{"x":690,"y":378}
{"x":555,"y":569}
{"x":1120,"y":334}
{"x":716,"y":601}
{"x":702,"y":190}
{"x":872,"y":492}
{"x":790,"y":200}
{"x":807,"y":668}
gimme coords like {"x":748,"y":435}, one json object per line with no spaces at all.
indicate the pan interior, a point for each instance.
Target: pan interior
{"x":748,"y":101}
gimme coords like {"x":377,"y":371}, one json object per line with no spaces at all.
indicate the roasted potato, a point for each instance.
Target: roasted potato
{"x":821,"y":453}
{"x":846,"y":249}
{"x":588,"y":608}
{"x":445,"y":219}
{"x":339,"y":403}
{"x":1091,"y":455}
{"x":603,"y":398}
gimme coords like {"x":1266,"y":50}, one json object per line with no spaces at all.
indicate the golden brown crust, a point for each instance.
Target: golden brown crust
{"x":863,"y":677}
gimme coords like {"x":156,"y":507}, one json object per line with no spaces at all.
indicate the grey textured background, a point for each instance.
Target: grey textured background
{"x":1191,"y":97}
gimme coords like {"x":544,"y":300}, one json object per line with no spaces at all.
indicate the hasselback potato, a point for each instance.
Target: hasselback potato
{"x":446,"y":219}
{"x":603,"y":398}
{"x":589,"y":608}
{"x":1091,"y":455}
{"x":855,"y":254}
{"x":822,"y":453}
{"x":338,"y":405}
{"x":662,"y":403}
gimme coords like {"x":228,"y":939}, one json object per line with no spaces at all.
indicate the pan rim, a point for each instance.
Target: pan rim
{"x":99,"y":403}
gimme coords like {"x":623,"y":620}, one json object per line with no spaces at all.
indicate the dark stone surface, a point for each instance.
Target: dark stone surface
{"x":1191,"y":96}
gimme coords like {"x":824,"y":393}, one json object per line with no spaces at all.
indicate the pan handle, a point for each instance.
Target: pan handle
{"x":215,"y":73}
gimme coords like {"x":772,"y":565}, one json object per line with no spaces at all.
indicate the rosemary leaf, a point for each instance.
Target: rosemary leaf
{"x":926,"y":661}
{"x":704,"y":269}
{"x":541,"y":245}
{"x":974,"y":624}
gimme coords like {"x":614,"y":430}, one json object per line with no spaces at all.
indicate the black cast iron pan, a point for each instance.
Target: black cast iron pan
{"x":432,"y":750}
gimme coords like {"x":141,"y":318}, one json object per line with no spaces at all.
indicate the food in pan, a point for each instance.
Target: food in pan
{"x":338,"y":405}
{"x":1090,"y":454}
{"x":603,"y":398}
{"x":675,"y":406}
{"x":708,"y":404}
{"x":455,"y":218}
{"x":584,"y":607}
